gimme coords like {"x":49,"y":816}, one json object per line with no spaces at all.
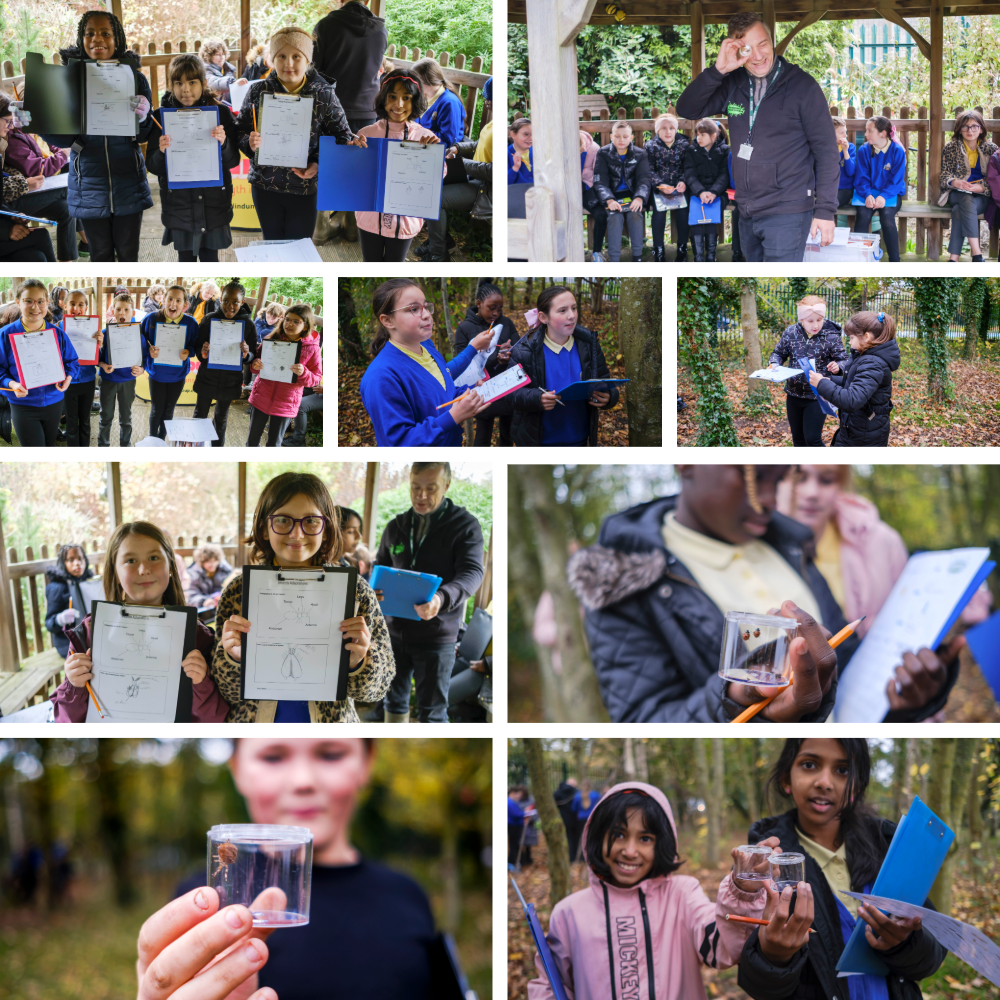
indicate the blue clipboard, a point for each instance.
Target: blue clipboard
{"x":911,"y":865}
{"x":403,"y":588}
{"x":806,"y":364}
{"x":583,"y":389}
{"x":544,"y":952}
{"x":177,"y":185}
{"x":977,"y":581}
{"x":699,"y":213}
{"x":984,"y":643}
{"x":29,"y":218}
{"x":858,"y":201}
{"x":214,"y":365}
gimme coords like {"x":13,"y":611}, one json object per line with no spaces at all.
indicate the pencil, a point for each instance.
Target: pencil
{"x":454,"y":401}
{"x":753,"y":920}
{"x":90,"y":690}
{"x":747,"y":714}
{"x":253,"y":108}
{"x":158,"y":125}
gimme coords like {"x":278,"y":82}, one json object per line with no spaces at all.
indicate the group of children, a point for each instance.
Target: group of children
{"x":36,"y":413}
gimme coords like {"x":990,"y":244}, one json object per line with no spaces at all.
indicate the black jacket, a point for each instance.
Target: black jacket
{"x":608,"y":174}
{"x":863,"y":394}
{"x":707,"y":169}
{"x":794,"y":166}
{"x":219,"y":382}
{"x":59,"y":588}
{"x":481,"y":173}
{"x":811,"y":974}
{"x":350,"y":47}
{"x":526,"y":403}
{"x":453,"y":550}
{"x":196,"y":210}
{"x":473,"y":325}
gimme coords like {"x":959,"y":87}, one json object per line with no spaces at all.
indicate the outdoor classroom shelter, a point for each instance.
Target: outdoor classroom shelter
{"x":553,"y":229}
{"x":33,"y":668}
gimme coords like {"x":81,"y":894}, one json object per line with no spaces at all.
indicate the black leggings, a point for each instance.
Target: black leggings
{"x":376,"y":248}
{"x":659,"y":224}
{"x":78,"y":399}
{"x":36,"y":426}
{"x":204,"y":254}
{"x":114,"y":238}
{"x":163,"y":398}
{"x":284,"y":216}
{"x":805,"y":418}
{"x":887,"y":216}
{"x":275,"y":433}
{"x":35,"y":248}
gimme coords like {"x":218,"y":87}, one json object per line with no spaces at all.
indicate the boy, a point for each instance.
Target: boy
{"x":80,"y":394}
{"x":118,"y":383}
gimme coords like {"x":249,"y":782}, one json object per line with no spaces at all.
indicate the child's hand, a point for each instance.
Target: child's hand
{"x":636,"y":205}
{"x":869,"y":202}
{"x":232,"y":629}
{"x":358,"y":637}
{"x":815,"y":378}
{"x":429,"y":140}
{"x":136,"y":370}
{"x":19,"y":389}
{"x":79,"y":669}
{"x":164,"y":143}
{"x":254,"y":141}
{"x":784,"y":935}
{"x":503,"y":351}
{"x":763,"y":866}
{"x":600,"y":399}
{"x":194,"y":666}
{"x":707,"y":197}
{"x":34,"y":183}
{"x":482,"y":340}
{"x":107,"y":369}
{"x":359,"y":140}
{"x":184,"y":354}
{"x":64,"y":384}
{"x":154,"y":351}
{"x":921,"y":675}
{"x":204,"y":350}
{"x":297,"y":369}
{"x":467,"y":406}
{"x":549,"y":400}
{"x":613,"y":205}
{"x":833,"y":367}
{"x":880,"y":202}
{"x":243,"y":348}
{"x":515,"y":160}
{"x":18,"y":232}
{"x":311,"y":171}
{"x":99,"y":337}
{"x":884,"y":932}
{"x":140,"y":105}
{"x":219,"y":133}
{"x":256,"y":365}
{"x":681,"y":187}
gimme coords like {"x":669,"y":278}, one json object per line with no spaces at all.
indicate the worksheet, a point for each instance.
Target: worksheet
{"x":109,"y":87}
{"x":477,"y":367}
{"x":193,"y":156}
{"x":294,"y":647}
{"x":279,"y":252}
{"x":197,"y":431}
{"x":278,"y":356}
{"x":169,"y":338}
{"x":124,"y":345}
{"x":503,"y":383}
{"x":224,"y":339}
{"x":413,"y":179}
{"x":39,"y":359}
{"x":82,"y":331}
{"x":237,"y":91}
{"x":779,"y":374}
{"x":55,"y":182}
{"x":285,"y":124}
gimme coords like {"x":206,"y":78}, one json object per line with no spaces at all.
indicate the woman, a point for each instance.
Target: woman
{"x":203,"y":300}
{"x":370,"y":933}
{"x":964,"y":184}
{"x":665,"y":152}
{"x":17,"y":241}
{"x":65,"y":603}
{"x":206,"y":576}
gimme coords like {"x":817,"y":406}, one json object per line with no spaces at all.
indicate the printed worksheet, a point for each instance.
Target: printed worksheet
{"x":196,"y":431}
{"x":193,"y":154}
{"x":500,"y":385}
{"x":278,"y":356}
{"x":82,"y":331}
{"x":55,"y":182}
{"x":279,"y":252}
{"x":169,"y":338}
{"x":124,"y":345}
{"x":284,"y":128}
{"x":413,"y":179}
{"x":109,"y":87}
{"x":39,"y":359}
{"x":224,"y":338}
{"x":237,"y":91}
{"x":778,"y":374}
{"x":477,"y":367}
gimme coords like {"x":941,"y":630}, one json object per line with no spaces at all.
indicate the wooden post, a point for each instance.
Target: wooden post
{"x":370,"y":517}
{"x":901,"y":224}
{"x":936,"y":145}
{"x":921,"y":180}
{"x":115,"y":518}
{"x":261,"y":292}
{"x":241,"y":514}
{"x":697,"y":38}
{"x":99,"y":297}
{"x":485,"y":593}
{"x":9,"y":659}
{"x":244,"y":32}
{"x":116,"y":9}
{"x":769,"y":19}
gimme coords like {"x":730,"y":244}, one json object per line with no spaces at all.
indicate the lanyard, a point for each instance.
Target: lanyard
{"x":414,"y":544}
{"x":753,"y":109}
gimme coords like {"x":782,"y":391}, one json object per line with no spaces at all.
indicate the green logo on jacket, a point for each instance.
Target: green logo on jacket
{"x":398,"y":549}
{"x":734,"y":110}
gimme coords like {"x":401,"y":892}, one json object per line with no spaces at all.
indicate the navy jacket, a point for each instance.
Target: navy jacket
{"x":59,"y":588}
{"x":795,"y":343}
{"x":666,"y":164}
{"x":350,"y":47}
{"x":707,"y":169}
{"x":608,"y":174}
{"x":221,"y":381}
{"x":863,"y":395}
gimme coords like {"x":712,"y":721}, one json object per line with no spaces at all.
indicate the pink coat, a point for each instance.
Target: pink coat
{"x":587,"y":172}
{"x":686,"y":930}
{"x":282,"y":399}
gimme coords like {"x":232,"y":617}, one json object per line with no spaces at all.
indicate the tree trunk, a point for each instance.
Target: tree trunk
{"x":528,"y":287}
{"x":751,"y":338}
{"x":113,"y":822}
{"x":716,"y":815}
{"x":748,"y":756}
{"x":640,"y":334}
{"x":975,"y":806}
{"x":947,"y":795}
{"x":705,"y":794}
{"x":578,"y":287}
{"x":508,"y":290}
{"x":641,"y":765}
{"x":446,"y":313}
{"x":449,"y":878}
{"x":628,"y":759}
{"x":974,"y":294}
{"x":552,"y":824}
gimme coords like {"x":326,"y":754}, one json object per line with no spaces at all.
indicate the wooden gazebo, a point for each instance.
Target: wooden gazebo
{"x":553,"y":230}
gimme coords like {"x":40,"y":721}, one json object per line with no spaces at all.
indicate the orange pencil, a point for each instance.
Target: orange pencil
{"x":753,"y":920}
{"x":254,"y":110}
{"x":90,"y":690}
{"x":156,"y":120}
{"x":454,"y":401}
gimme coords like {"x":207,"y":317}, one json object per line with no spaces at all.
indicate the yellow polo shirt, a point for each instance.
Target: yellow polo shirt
{"x":556,"y":348}
{"x":424,"y":359}
{"x":833,"y":865}
{"x":828,"y":561}
{"x":484,"y":148}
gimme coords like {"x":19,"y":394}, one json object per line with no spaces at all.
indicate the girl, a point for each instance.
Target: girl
{"x":397,"y":106}
{"x":166,"y":381}
{"x":107,"y":175}
{"x":57,"y":302}
{"x":623,"y":180}
{"x":80,"y":394}
{"x":519,"y":152}
{"x":706,"y":174}
{"x":965,"y":186}
{"x":154,"y":299}
{"x":444,"y":113}
{"x":139,"y":568}
{"x":268,"y":319}
{"x":666,"y":163}
{"x":35,"y":412}
{"x":279,"y":401}
{"x":118,"y":384}
{"x":554,"y":354}
{"x":220,"y":384}
{"x":862,"y":392}
{"x":62,"y":588}
{"x":408,"y":380}
{"x":848,"y":157}
{"x":350,"y":535}
{"x":195,"y":220}
{"x":844,"y":843}
{"x":216,"y":68}
{"x":285,"y":197}
{"x":591,"y":200}
{"x":258,"y":63}
{"x":880,"y":179}
{"x":816,"y":337}
{"x":202,"y":299}
{"x":640,"y":927}
{"x":295,"y":526}
{"x":206,"y":576}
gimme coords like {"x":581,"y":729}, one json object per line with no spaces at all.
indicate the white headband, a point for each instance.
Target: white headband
{"x":813,"y":309}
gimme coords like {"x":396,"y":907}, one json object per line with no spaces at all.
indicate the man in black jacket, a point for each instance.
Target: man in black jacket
{"x":433,"y":536}
{"x":785,"y":156}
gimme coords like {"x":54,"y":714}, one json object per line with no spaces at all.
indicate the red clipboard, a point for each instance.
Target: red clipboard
{"x":523,"y":379}
{"x":84,"y":360}
{"x":15,"y":337}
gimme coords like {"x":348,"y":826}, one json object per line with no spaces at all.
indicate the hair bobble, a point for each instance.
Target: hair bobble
{"x":881,"y":317}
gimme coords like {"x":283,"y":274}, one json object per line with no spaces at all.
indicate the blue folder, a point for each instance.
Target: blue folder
{"x":402,"y":589}
{"x":911,"y":865}
{"x":582,"y":390}
{"x":176,"y":185}
{"x":544,"y":952}
{"x":858,"y":201}
{"x":984,"y":642}
{"x":806,"y":364}
{"x":700,"y":213}
{"x":977,"y":581}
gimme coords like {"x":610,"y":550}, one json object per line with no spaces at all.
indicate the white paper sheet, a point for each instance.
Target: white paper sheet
{"x":40,"y":359}
{"x":501,"y":384}
{"x":55,"y":182}
{"x":477,"y":367}
{"x":125,"y":345}
{"x":92,"y":590}
{"x":413,"y":179}
{"x":294,"y":645}
{"x":137,"y":663}
{"x":108,"y":89}
{"x":918,"y":607}
{"x":280,"y":252}
{"x":81,"y":331}
{"x":169,"y":338}
{"x":224,"y":339}
{"x":193,"y":155}
{"x":199,"y":431}
{"x":278,"y":357}
{"x":237,"y":91}
{"x":284,"y":128}
{"x":778,"y":374}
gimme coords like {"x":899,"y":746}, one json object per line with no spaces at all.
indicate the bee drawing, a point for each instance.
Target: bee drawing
{"x":227,"y":853}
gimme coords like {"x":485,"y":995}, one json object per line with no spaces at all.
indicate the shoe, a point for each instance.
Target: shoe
{"x":738,"y":257}
{"x":597,"y":257}
{"x":658,"y":255}
{"x":977,"y":258}
{"x":434,"y":259}
{"x":350,"y":230}
{"x":323,"y":230}
{"x":682,"y":254}
{"x":421,"y":251}
{"x":397,"y":716}
{"x":698,"y":242}
{"x":61,"y":436}
{"x":95,"y":407}
{"x":83,"y":249}
{"x":711,"y":242}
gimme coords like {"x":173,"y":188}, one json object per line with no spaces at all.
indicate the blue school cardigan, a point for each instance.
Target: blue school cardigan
{"x":44,"y":395}
{"x":848,"y":168}
{"x":120,"y":374}
{"x":402,"y":398}
{"x":880,"y":173}
{"x":445,"y":118}
{"x":523,"y":174}
{"x":168,"y":373}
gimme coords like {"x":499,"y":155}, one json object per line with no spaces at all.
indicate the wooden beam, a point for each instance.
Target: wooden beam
{"x":697,"y":38}
{"x":241,"y":514}
{"x":115,"y":518}
{"x":573,"y":16}
{"x":892,"y":15}
{"x":9,"y":659}
{"x":369,"y":518}
{"x":768,"y":14}
{"x":244,"y":32}
{"x":811,"y":18}
{"x":261,"y":293}
{"x":116,"y":9}
{"x":936,"y":145}
{"x":485,"y":593}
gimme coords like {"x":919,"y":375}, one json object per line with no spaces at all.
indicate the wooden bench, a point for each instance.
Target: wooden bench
{"x":34,"y":681}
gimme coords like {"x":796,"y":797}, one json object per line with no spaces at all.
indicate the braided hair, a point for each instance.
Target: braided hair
{"x":750,"y":477}
{"x":121,"y":46}
{"x":235,"y":285}
{"x":487,"y":290}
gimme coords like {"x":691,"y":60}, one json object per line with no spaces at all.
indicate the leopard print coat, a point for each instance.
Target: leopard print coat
{"x":368,"y":682}
{"x":955,"y":165}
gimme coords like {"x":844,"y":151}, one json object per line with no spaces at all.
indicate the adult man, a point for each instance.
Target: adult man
{"x":434,"y":536}
{"x":784,"y":150}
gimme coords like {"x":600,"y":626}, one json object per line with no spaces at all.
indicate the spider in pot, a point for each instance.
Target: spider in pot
{"x":227,"y":853}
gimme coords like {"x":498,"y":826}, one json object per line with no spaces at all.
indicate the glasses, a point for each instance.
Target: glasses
{"x":972,"y":127}
{"x":416,"y":309}
{"x":281,"y":524}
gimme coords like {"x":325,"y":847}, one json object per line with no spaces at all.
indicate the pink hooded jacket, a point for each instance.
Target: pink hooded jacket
{"x":606,"y":940}
{"x":282,"y":399}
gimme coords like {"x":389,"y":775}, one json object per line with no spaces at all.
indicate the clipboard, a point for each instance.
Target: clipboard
{"x":175,"y":364}
{"x":984,"y":644}
{"x":24,"y":376}
{"x":911,"y":865}
{"x":209,"y":363}
{"x":83,"y":359}
{"x":583,"y":389}
{"x":107,"y":344}
{"x":178,"y":185}
{"x":699,"y":213}
{"x":544,"y":952}
{"x":270,"y":107}
{"x":808,"y":365}
{"x":29,"y":218}
{"x":292,"y":377}
{"x":403,"y":588}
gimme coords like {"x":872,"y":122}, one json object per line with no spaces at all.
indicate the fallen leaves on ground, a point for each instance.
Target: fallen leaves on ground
{"x":971,"y":699}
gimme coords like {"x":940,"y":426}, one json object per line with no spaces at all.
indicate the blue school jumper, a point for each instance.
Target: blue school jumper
{"x":168,"y":373}
{"x":263,"y":327}
{"x":568,"y":424}
{"x":881,"y":174}
{"x":523,"y":174}
{"x":402,"y":398}
{"x":44,"y":395}
{"x":120,"y":374}
{"x":445,"y":118}
{"x":848,"y":168}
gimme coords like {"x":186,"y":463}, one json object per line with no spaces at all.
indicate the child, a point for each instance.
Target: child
{"x":139,"y":568}
{"x":285,"y":197}
{"x":35,"y":412}
{"x":279,"y":401}
{"x":706,"y":173}
{"x":591,"y":200}
{"x":404,"y":387}
{"x":118,"y":384}
{"x":639,"y":924}
{"x":258,"y":63}
{"x":268,"y":319}
{"x":202,"y":299}
{"x":80,"y":394}
{"x":966,"y":184}
{"x":220,"y":73}
{"x":62,"y":588}
{"x":844,"y":843}
{"x":350,"y":522}
{"x":444,"y":112}
{"x":220,"y":384}
{"x":195,"y":220}
{"x":848,"y":157}
{"x":295,"y":527}
{"x":816,"y":337}
{"x":519,"y":152}
{"x":57,"y":302}
{"x":107,"y":176}
{"x":153,"y":301}
{"x":555,"y":354}
{"x":623,"y":180}
{"x":397,"y":107}
{"x":862,"y":391}
{"x":880,"y":179}
{"x":206,"y":576}
{"x":666,"y":163}
{"x":166,"y":381}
